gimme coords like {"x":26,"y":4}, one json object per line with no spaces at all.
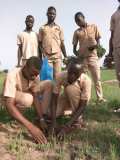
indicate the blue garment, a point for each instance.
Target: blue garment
{"x":46,"y":72}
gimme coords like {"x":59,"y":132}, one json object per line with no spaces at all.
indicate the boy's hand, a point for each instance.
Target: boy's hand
{"x":37,"y":135}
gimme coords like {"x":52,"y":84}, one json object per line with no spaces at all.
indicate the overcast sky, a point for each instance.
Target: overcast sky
{"x":14,"y":12}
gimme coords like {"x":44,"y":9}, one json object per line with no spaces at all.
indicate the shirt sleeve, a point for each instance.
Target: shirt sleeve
{"x":75,"y":38}
{"x":86,"y":89}
{"x":9,"y":86}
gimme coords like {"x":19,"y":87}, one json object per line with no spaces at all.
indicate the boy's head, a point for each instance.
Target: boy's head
{"x":51,"y":14}
{"x":29,"y":22}
{"x":75,"y":68}
{"x":80,"y":19}
{"x":32,"y":68}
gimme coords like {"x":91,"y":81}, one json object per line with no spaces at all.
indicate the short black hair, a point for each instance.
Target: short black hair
{"x":51,"y":8}
{"x":79,"y":14}
{"x":29,"y":16}
{"x":34,"y":62}
{"x":76,"y":63}
{"x":74,"y":59}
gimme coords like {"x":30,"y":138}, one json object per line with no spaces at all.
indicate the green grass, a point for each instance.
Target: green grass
{"x":107,"y":74}
{"x":99,"y":141}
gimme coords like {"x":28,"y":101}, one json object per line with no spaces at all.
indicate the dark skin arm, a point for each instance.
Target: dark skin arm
{"x":19,"y":55}
{"x":53,"y":111}
{"x":79,"y":111}
{"x":38,"y":108}
{"x":40,"y":49}
{"x":14,"y":112}
{"x":63,"y":49}
{"x":75,"y":50}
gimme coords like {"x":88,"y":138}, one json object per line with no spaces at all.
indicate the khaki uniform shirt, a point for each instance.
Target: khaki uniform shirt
{"x":29,"y":42}
{"x":115,"y":27}
{"x":16,"y":82}
{"x":51,"y":38}
{"x":86,"y":37}
{"x":83,"y":82}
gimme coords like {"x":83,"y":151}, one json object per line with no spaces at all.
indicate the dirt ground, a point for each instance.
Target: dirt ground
{"x":15,"y":146}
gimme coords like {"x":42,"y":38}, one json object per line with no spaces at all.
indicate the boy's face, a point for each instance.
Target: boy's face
{"x":73,"y":74}
{"x":51,"y":14}
{"x":29,"y":22}
{"x":31,"y":73}
{"x":80,"y":21}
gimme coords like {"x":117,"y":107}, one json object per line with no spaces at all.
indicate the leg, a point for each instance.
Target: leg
{"x":23,"y":99}
{"x":63,"y":104}
{"x":73,"y":94}
{"x":57,"y":67}
{"x":46,"y":92}
{"x":94,"y":68}
{"x":117,"y":63}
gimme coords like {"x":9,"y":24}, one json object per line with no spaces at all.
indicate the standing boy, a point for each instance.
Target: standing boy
{"x":114,"y":43}
{"x":51,"y":41}
{"x":87,"y":36}
{"x":27,"y":42}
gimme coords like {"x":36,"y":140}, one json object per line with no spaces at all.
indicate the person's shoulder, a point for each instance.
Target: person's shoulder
{"x":22,"y":33}
{"x":56,"y":26}
{"x":14,"y":72}
{"x":43,"y":26}
{"x":92,"y":25}
{"x":77,"y":30}
{"x":117,"y":12}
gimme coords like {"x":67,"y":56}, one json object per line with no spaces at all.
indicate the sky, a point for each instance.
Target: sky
{"x":14,"y":12}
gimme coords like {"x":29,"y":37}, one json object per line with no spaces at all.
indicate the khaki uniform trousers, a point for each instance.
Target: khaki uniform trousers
{"x":116,"y":54}
{"x":92,"y":64}
{"x":55,"y":61}
{"x":69,"y":100}
{"x":24,"y":99}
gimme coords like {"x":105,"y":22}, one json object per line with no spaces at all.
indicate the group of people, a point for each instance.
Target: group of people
{"x":71,"y":88}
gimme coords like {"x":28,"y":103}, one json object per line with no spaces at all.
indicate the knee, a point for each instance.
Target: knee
{"x":48,"y":85}
{"x":27,"y":100}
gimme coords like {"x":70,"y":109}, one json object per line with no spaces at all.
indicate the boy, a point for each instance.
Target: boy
{"x":27,"y":42}
{"x":51,"y":41}
{"x":87,"y":36}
